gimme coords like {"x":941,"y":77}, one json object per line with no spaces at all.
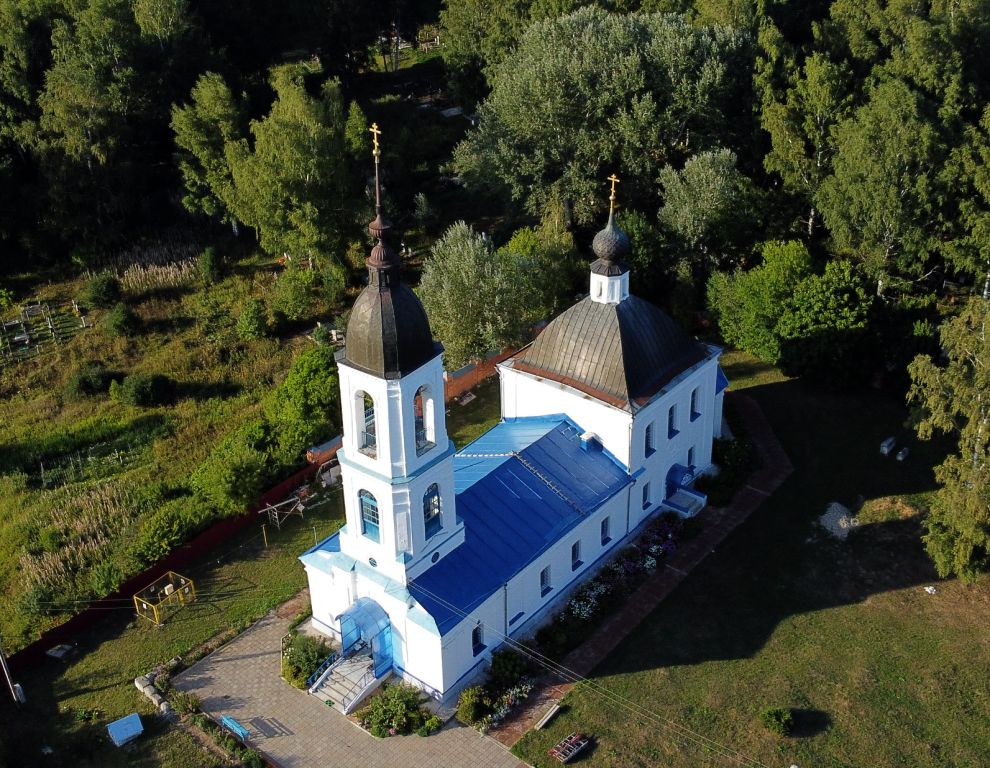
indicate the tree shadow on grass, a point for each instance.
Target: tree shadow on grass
{"x":195,"y":390}
{"x":809,"y":722}
{"x":780,"y":563}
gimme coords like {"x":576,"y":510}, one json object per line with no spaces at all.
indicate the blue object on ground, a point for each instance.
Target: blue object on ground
{"x":234,"y":727}
{"x":126,"y":729}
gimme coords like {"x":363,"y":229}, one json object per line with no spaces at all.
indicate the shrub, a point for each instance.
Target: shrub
{"x":91,"y":378}
{"x":168,"y":527}
{"x":6,"y":299}
{"x":185,"y":703}
{"x":102,"y":291}
{"x":144,"y":390}
{"x":778,"y":720}
{"x":303,"y":658}
{"x":292,"y":297}
{"x":471,"y":705}
{"x":120,"y":321}
{"x":508,"y":668}
{"x":252,"y":322}
{"x":236,"y":470}
{"x":396,"y":710}
{"x":209,"y":265}
{"x":251,"y":759}
{"x":432,"y":725}
{"x":105,"y":577}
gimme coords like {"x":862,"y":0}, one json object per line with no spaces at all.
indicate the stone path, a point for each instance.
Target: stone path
{"x":717,"y":524}
{"x":295,"y":730}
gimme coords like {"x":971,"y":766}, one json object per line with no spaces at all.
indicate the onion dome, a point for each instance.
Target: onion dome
{"x":611,"y":245}
{"x":388,"y":333}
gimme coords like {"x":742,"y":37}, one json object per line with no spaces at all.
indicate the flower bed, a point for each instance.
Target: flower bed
{"x":507,"y":685}
{"x":615,"y":581}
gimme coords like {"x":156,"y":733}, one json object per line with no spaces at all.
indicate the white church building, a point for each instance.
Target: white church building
{"x":607,"y":417}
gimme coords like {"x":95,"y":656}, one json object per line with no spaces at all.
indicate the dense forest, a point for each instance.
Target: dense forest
{"x":808,"y":181}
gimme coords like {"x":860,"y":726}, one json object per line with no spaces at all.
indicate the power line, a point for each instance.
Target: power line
{"x":569,"y":675}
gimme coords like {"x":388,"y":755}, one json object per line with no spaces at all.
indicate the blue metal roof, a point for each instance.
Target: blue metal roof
{"x":520,"y":487}
{"x":126,"y":729}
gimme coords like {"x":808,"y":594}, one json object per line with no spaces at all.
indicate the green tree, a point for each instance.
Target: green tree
{"x":801,"y":128}
{"x":822,"y":331}
{"x":592,"y":93}
{"x":203,"y":129}
{"x":748,"y":305}
{"x":705,"y":205}
{"x":89,"y":105}
{"x":164,"y":20}
{"x":304,"y":408}
{"x":547,"y":258}
{"x":955,"y":399}
{"x":290,"y":183}
{"x":236,"y":471}
{"x":476,"y":299}
{"x":881,"y":203}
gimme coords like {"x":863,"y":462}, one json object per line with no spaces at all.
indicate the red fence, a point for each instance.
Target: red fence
{"x":472,"y":376}
{"x":191,"y":553}
{"x":194,"y":551}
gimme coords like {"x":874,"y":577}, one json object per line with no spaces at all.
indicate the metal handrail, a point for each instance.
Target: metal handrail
{"x":325,"y":666}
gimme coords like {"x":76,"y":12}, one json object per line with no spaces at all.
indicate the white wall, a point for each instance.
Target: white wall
{"x":524,"y":394}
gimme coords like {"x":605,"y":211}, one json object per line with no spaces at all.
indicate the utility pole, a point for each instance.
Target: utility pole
{"x":6,"y":674}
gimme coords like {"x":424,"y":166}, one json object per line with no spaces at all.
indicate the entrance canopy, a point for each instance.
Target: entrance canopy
{"x":365,"y":621}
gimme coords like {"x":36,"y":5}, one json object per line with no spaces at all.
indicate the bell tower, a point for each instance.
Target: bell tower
{"x":396,"y":460}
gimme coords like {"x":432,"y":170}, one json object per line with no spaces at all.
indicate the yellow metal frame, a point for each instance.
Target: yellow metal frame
{"x":169,"y":590}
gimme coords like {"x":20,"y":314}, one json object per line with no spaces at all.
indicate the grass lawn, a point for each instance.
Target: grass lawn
{"x":876,"y":671}
{"x":69,"y":704}
{"x":466,"y":423}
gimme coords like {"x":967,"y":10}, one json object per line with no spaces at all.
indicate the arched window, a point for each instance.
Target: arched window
{"x":369,"y":515}
{"x":367,"y":441}
{"x":423,"y":414}
{"x":431,"y":511}
{"x":649,"y":447}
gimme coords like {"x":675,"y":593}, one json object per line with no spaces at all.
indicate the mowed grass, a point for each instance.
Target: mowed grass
{"x":237,"y":584}
{"x":466,"y":423}
{"x":876,"y":671}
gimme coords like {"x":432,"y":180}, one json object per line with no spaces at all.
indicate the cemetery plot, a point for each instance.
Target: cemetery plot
{"x":38,"y":329}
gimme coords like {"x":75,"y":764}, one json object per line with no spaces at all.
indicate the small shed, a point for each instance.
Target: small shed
{"x":126,"y":729}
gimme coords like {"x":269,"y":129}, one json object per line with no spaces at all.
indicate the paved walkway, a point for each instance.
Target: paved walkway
{"x":295,"y":730}
{"x":717,"y":524}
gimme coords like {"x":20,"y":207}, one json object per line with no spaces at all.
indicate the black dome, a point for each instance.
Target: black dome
{"x":611,"y":245}
{"x":620,"y":353}
{"x":388,"y":333}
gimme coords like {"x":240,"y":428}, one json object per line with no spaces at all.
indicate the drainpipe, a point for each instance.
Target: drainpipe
{"x":505,"y":609}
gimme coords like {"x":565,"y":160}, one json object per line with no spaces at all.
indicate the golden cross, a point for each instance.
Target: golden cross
{"x":375,"y":133}
{"x":611,"y":199}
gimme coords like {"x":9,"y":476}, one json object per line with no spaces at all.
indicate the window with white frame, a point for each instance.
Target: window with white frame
{"x":367,"y":439}
{"x":432,"y":520}
{"x":422,"y":412}
{"x":672,"y":421}
{"x":545,"y":583}
{"x":691,"y":456}
{"x":369,"y":515}
{"x":606,"y":537}
{"x":576,"y":555}
{"x":695,"y":413}
{"x":646,"y":495}
{"x":649,"y":445}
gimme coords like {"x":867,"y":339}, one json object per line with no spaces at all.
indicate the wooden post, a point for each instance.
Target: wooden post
{"x":264,"y":533}
{"x":315,"y":540}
